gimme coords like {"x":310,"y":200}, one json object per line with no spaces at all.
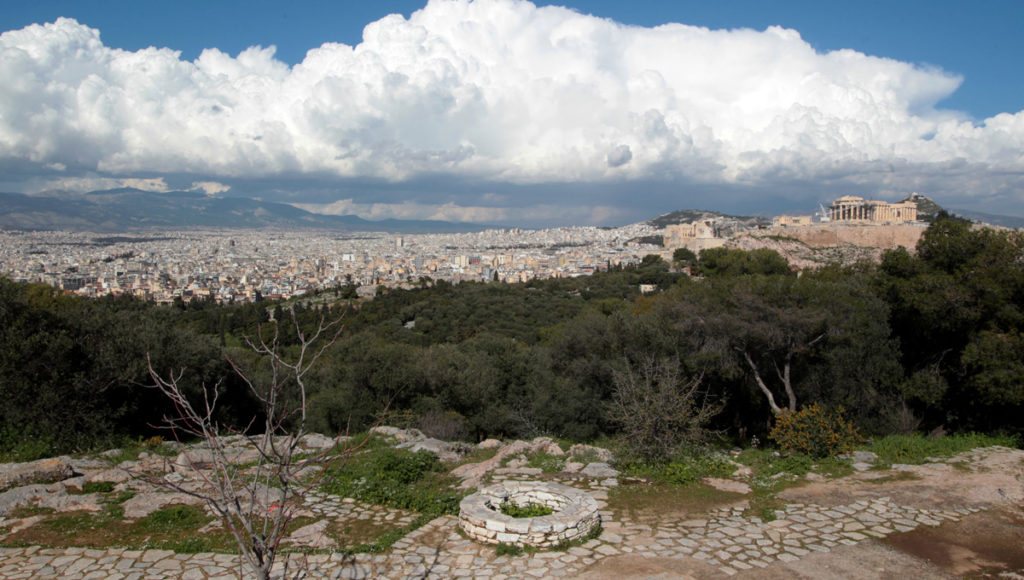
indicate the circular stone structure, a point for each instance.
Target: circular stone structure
{"x":575,"y":514}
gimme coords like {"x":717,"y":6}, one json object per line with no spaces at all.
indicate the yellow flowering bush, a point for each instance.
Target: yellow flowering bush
{"x":814,"y":431}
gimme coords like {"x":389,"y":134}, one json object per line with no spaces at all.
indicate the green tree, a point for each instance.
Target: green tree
{"x":729,"y":262}
{"x":684,"y":257}
{"x":957,"y":310}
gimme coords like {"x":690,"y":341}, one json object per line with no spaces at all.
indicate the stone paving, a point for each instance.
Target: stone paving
{"x":335,"y":508}
{"x":728,"y":539}
{"x":724,"y":538}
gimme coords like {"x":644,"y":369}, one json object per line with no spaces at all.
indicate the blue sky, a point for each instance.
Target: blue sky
{"x":945,"y":68}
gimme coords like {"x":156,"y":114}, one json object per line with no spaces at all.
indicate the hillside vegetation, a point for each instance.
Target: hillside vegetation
{"x":917,"y":342}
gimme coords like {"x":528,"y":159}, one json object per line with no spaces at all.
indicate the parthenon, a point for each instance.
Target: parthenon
{"x":850,"y":208}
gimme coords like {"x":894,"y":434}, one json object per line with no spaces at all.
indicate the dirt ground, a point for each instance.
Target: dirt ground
{"x":987,"y":544}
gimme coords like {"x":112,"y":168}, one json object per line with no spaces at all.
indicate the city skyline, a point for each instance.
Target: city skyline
{"x":511,"y":113}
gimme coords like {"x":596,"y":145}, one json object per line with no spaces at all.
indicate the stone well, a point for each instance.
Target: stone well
{"x":575,"y":514}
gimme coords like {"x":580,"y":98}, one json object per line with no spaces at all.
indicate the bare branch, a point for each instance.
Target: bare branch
{"x":255,"y":504}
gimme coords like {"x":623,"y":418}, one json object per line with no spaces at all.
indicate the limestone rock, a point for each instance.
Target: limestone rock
{"x":87,"y":464}
{"x":861,"y":457}
{"x":317,"y":441}
{"x":743,"y":471}
{"x":20,"y":496}
{"x":729,"y":485}
{"x":115,"y":475}
{"x":444,"y":450}
{"x":546,"y":445}
{"x":42,"y":471}
{"x":516,"y":463}
{"x":402,"y":435}
{"x":201,"y":458}
{"x":144,"y":504}
{"x":589,"y":452}
{"x":599,"y":470}
{"x":489,"y":444}
{"x":313,"y":536}
{"x":63,"y":502}
{"x":76,"y":483}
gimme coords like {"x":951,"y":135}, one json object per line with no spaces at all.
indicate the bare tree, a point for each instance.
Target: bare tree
{"x":782,"y":364}
{"x":661,"y":411}
{"x":255,"y":504}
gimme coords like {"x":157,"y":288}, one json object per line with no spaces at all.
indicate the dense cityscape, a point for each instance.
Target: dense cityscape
{"x":246,"y":265}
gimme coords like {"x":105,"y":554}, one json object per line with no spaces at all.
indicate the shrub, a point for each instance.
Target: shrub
{"x":153,"y":442}
{"x":661,"y":411}
{"x":814,"y":431}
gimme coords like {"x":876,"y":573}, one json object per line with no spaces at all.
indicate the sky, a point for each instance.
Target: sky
{"x":506,"y":112}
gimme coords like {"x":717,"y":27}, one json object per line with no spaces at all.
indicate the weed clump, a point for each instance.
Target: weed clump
{"x":397,"y":478}
{"x":530,"y":510}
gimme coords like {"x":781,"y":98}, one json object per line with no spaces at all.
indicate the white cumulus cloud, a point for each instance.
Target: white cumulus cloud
{"x":500,"y":91}
{"x":209,"y":187}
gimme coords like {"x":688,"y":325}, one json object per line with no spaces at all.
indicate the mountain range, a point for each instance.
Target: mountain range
{"x":126,"y":209}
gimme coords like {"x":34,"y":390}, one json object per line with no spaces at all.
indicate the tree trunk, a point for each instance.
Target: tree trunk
{"x":764,"y":388}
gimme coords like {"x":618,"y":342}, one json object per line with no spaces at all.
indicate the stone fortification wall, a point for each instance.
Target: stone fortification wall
{"x":865,"y":236}
{"x":575,"y":514}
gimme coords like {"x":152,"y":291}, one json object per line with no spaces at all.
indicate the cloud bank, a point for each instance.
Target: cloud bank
{"x":501,"y":91}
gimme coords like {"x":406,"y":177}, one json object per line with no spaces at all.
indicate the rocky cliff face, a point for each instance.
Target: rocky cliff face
{"x":813,"y":246}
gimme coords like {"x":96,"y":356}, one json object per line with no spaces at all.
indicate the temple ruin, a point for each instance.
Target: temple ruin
{"x":853,"y":209}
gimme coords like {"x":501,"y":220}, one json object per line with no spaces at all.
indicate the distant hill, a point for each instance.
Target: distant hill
{"x":1007,"y":221}
{"x":927,"y":208}
{"x":134,"y":209}
{"x":687,"y":216}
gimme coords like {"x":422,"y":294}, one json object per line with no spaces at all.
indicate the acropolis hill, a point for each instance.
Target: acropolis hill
{"x":851,"y":228}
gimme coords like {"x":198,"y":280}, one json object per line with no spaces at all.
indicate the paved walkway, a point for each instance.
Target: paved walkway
{"x":724,"y":538}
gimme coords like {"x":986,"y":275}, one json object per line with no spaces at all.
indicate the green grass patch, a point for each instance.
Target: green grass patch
{"x":98,"y":487}
{"x":530,"y":510}
{"x":396,"y":478}
{"x":917,"y":449}
{"x":503,"y":549}
{"x":546,"y":462}
{"x":768,"y":463}
{"x":175,"y":518}
{"x":683,"y":470}
{"x":171,"y":528}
